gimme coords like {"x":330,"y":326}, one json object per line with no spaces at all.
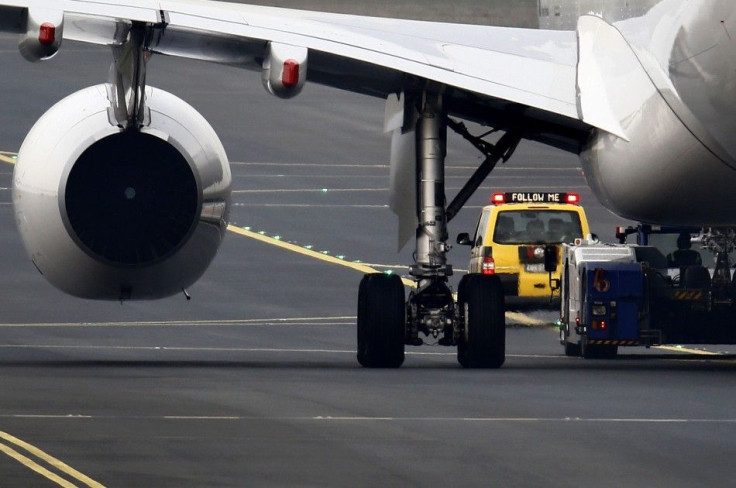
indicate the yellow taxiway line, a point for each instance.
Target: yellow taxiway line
{"x":50,"y":460}
{"x":8,"y":157}
{"x":361,"y":267}
{"x":687,"y":350}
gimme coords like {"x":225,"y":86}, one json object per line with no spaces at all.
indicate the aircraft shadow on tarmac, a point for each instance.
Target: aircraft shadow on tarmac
{"x":624,"y":362}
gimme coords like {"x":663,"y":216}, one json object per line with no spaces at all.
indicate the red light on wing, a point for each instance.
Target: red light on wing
{"x":290,"y":75}
{"x":47,"y":33}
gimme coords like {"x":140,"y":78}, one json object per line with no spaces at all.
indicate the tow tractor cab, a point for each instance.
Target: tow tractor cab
{"x":512,"y":234}
{"x":673,"y":286}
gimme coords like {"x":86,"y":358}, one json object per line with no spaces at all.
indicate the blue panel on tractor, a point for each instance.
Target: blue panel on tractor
{"x":614,"y":295}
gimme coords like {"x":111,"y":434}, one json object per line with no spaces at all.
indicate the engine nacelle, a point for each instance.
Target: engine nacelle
{"x":284,"y":69}
{"x":111,"y":214}
{"x":44,"y":32}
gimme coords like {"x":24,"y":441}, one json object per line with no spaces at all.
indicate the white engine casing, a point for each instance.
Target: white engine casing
{"x":112,"y":214}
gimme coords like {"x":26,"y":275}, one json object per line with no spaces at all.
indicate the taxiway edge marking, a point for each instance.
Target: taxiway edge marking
{"x":56,"y":463}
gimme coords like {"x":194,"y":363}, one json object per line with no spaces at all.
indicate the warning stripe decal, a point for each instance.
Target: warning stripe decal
{"x":688,"y":295}
{"x":606,"y":342}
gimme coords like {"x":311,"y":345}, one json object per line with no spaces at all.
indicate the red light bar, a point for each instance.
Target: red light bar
{"x":47,"y":33}
{"x":498,"y":198}
{"x":290,"y":75}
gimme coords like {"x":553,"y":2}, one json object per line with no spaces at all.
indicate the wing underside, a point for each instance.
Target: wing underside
{"x":501,"y":77}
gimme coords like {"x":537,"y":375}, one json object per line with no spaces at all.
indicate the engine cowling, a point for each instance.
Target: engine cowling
{"x":106,"y":213}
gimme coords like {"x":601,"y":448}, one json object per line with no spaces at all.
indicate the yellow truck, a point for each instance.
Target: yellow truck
{"x":511,"y":236}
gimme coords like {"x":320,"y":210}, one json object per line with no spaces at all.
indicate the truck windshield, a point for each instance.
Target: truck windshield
{"x":536,"y":226}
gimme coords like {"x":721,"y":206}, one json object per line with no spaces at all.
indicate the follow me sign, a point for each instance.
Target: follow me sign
{"x":535,"y":197}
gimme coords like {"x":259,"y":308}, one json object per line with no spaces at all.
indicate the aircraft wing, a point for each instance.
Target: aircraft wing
{"x":494,"y":75}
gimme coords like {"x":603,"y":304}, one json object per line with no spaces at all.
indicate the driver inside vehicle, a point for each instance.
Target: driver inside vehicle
{"x":683,"y":256}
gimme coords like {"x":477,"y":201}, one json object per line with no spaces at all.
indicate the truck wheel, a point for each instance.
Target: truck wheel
{"x":482,"y":343}
{"x":381,"y":321}
{"x":572,"y":350}
{"x":597,"y":351}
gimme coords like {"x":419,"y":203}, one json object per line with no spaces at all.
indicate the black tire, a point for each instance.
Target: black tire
{"x":381,"y":321}
{"x":597,"y":351}
{"x":483,"y":341}
{"x":572,"y":350}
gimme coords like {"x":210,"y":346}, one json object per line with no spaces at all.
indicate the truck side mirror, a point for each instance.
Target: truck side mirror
{"x":550,"y":258}
{"x":554,"y":284}
{"x":464,"y":239}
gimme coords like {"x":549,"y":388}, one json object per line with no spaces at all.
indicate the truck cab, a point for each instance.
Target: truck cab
{"x":511,"y":236}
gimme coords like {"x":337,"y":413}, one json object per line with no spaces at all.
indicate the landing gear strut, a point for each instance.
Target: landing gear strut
{"x":474,"y":323}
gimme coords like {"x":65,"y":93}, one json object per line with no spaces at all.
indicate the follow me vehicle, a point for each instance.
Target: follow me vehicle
{"x":511,"y":236}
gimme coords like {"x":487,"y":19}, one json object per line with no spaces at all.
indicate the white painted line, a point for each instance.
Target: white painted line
{"x":341,"y":320}
{"x":361,"y":419}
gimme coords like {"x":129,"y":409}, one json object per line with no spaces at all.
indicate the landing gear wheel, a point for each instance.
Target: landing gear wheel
{"x":381,"y":321}
{"x":482,"y":343}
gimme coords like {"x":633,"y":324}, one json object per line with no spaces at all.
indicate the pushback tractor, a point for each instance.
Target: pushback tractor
{"x":654,"y":292}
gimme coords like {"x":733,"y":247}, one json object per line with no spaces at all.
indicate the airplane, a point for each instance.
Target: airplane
{"x":121,"y":190}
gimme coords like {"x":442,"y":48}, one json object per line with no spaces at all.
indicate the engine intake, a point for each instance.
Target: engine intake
{"x":108,"y":213}
{"x":131,"y":199}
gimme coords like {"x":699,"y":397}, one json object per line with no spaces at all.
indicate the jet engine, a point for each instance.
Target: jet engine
{"x":112,"y":213}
